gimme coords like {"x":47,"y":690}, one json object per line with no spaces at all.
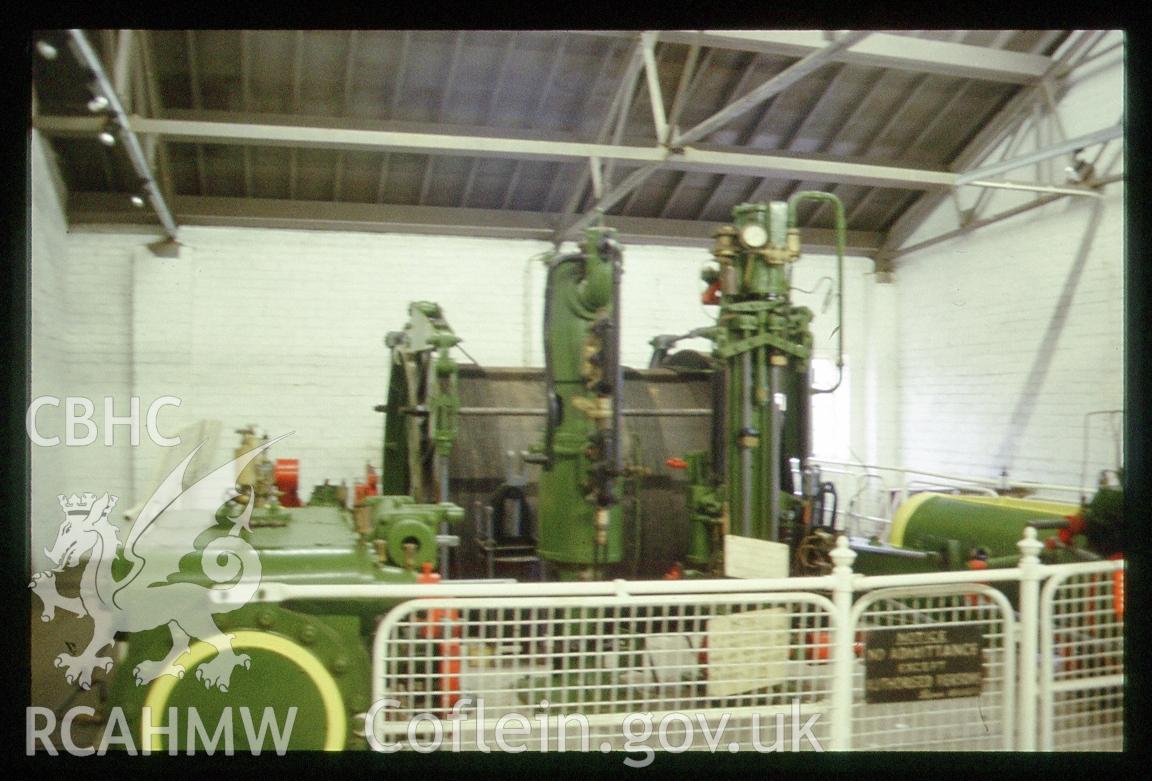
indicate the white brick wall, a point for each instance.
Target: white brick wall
{"x":81,"y":345}
{"x":285,"y":329}
{"x":1009,"y":335}
{"x":48,"y":341}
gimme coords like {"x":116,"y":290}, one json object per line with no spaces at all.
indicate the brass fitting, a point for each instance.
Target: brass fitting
{"x":793,"y":243}
{"x":602,"y":526}
{"x":599,"y":408}
{"x":777,"y":256}
{"x":729,"y":280}
{"x":748,"y":438}
{"x":727,"y":244}
{"x":381,"y":547}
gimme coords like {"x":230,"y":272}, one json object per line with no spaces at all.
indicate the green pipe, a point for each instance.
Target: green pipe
{"x":816,"y":195}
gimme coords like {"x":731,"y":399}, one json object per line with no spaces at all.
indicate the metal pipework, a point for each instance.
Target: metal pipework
{"x":774,"y":453}
{"x":841,"y":231}
{"x":745,"y":446}
{"x":89,"y":59}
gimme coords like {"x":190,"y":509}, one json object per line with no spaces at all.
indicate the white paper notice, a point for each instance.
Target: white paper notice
{"x":747,"y":651}
{"x":745,"y":557}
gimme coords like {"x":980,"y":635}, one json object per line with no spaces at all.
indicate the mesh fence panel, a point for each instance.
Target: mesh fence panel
{"x":1082,"y":662}
{"x":969,"y":723}
{"x":696,"y":672}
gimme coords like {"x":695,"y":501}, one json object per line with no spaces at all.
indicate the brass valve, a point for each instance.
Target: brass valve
{"x":727,"y":243}
{"x":381,"y":547}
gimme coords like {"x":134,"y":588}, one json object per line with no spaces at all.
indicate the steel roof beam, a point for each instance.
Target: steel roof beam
{"x":775,"y":85}
{"x":986,"y":141}
{"x":430,"y":163}
{"x":1055,"y":194}
{"x":493,"y":101}
{"x":652,"y":75}
{"x":157,"y":150}
{"x":749,"y":69}
{"x":542,"y":101}
{"x":1071,"y":145}
{"x":758,"y":95}
{"x":297,"y":70}
{"x":624,"y":92}
{"x":884,"y":50}
{"x":89,"y":59}
{"x":245,"y":95}
{"x":197,"y":103}
{"x":705,"y":159}
{"x":121,"y":69}
{"x":394,"y":101}
{"x":349,"y":60}
{"x":684,"y":88}
{"x":103,"y":208}
{"x":626,"y":105}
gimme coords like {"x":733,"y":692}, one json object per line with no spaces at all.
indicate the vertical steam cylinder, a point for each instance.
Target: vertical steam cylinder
{"x":580,"y":532}
{"x":764,"y":344}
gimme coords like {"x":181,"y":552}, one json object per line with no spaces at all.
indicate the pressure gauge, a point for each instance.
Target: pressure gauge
{"x":753,"y":235}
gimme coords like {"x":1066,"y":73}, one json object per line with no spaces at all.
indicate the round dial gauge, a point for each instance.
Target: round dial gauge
{"x":753,"y":236}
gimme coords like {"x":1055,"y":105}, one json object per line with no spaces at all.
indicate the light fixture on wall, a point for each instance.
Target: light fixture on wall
{"x":97,"y":104}
{"x":107,"y":136}
{"x":143,"y":192}
{"x":47,"y":50}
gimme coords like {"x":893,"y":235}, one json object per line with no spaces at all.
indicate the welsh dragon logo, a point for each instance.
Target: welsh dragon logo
{"x":141,"y":584}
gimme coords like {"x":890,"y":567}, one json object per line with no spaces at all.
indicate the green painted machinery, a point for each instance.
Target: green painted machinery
{"x":309,"y":660}
{"x":404,"y":532}
{"x":762,"y":345}
{"x":421,"y":411}
{"x":949,"y":532}
{"x":960,"y":529}
{"x":934,"y":532}
{"x":420,"y":426}
{"x":580,"y":533}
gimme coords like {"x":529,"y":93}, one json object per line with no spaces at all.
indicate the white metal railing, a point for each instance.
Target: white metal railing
{"x":981,"y":721}
{"x":749,"y":664}
{"x":1082,"y":659}
{"x":594,"y":661}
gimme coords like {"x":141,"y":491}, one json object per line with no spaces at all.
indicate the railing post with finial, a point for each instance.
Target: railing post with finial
{"x":843,"y":651}
{"x":1031,"y":572}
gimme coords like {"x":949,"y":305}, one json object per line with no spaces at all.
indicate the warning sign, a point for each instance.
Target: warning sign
{"x":902,"y":665}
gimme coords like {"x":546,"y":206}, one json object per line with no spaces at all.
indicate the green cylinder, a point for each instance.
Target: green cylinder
{"x":579,"y":294}
{"x":963,"y":524}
